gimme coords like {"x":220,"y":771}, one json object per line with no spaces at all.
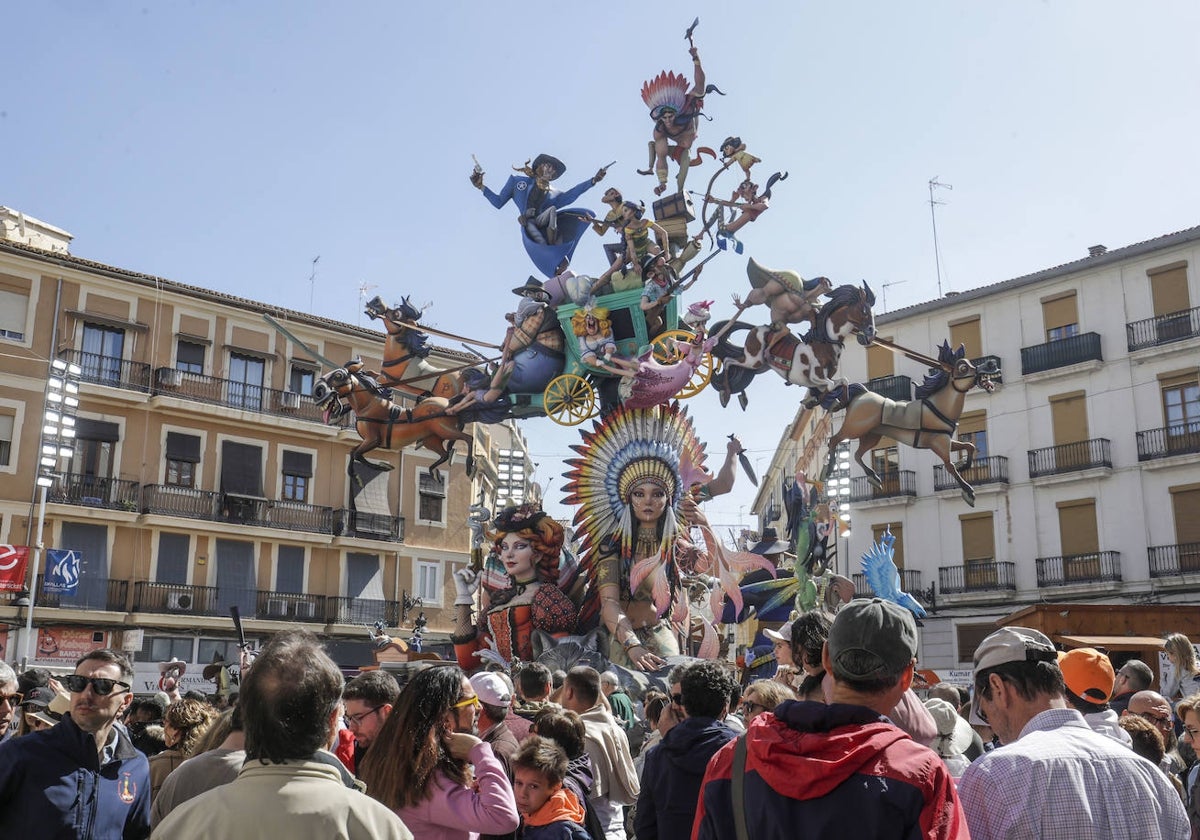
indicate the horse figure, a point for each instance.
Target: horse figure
{"x":927,"y":422}
{"x":382,"y":424}
{"x":407,"y":347}
{"x":811,"y":361}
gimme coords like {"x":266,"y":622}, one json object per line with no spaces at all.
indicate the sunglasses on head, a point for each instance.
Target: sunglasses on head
{"x":101,"y":685}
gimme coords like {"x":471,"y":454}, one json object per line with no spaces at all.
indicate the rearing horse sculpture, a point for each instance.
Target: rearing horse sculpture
{"x":384,"y":425}
{"x":811,"y":361}
{"x":406,"y":349}
{"x":927,"y":422}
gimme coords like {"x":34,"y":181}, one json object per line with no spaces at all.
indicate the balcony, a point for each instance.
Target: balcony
{"x":1169,"y":560}
{"x":1096,"y":567}
{"x":1182,"y":439}
{"x":892,"y":387}
{"x":109,"y":594}
{"x":368,"y":526}
{"x":1057,"y":354}
{"x":94,"y":491}
{"x":240,"y":395}
{"x":1163,"y":329}
{"x":1070,"y":457}
{"x":990,"y":470}
{"x":895,"y":484}
{"x":172,"y":500}
{"x":910,"y":581}
{"x":111,"y":371}
{"x":284,"y":606}
{"x":362,"y":611}
{"x":272,"y":513}
{"x":981,"y":576}
{"x":175,"y":599}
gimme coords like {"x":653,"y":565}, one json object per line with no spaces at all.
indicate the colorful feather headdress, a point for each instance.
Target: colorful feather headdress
{"x":667,"y":90}
{"x":627,"y":447}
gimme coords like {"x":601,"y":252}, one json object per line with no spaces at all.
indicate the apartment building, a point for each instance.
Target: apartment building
{"x":1087,"y":467}
{"x":202,"y":475}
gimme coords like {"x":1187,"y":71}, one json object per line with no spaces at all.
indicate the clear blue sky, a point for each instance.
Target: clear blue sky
{"x":227,"y":145}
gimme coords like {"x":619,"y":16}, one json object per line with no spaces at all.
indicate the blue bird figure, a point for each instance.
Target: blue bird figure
{"x":883,"y":576}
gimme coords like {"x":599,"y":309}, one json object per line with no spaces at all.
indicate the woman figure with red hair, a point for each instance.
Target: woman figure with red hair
{"x":528,"y":543}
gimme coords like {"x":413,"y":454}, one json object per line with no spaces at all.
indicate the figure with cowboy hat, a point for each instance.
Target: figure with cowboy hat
{"x":549,"y":240}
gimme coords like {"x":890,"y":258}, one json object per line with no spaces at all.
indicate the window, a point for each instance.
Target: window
{"x":1185,"y":505}
{"x":885,"y":460}
{"x":972,"y":428}
{"x":428,"y":581}
{"x":14,"y":308}
{"x":94,"y":444}
{"x":289,"y":570}
{"x":103,"y":349}
{"x":166,"y":648}
{"x":970,"y":637}
{"x":6,"y":438}
{"x":246,"y":381}
{"x":174,"y":554}
{"x":966,"y":333}
{"x":1169,"y":289}
{"x":979,"y":550}
{"x":877,"y":532}
{"x":1181,"y":404}
{"x":301,"y":381}
{"x":1080,"y":540}
{"x":880,"y":361}
{"x":1060,"y":317}
{"x":218,"y":649}
{"x":431,"y":500}
{"x":189,"y":356}
{"x":183,"y":453}
{"x":297,"y":471}
{"x":1069,"y":420}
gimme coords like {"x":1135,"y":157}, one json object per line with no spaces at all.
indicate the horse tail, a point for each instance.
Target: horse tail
{"x":724,"y":349}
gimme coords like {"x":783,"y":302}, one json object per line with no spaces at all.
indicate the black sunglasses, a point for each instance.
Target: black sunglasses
{"x":101,"y":685}
{"x":677,"y":699}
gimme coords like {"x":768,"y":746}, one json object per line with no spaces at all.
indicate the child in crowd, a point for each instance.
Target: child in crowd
{"x":548,"y":810}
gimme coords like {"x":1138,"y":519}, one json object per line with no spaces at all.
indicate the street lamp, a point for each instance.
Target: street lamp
{"x":58,"y":436}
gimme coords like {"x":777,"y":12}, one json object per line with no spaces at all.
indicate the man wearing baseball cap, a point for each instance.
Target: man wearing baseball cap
{"x":1089,"y":678}
{"x":495,"y":698}
{"x":1054,"y":777}
{"x":837,"y":770}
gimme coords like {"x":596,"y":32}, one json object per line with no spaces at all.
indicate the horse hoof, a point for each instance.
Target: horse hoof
{"x":969,"y":498}
{"x":743,"y":400}
{"x":723,"y":396}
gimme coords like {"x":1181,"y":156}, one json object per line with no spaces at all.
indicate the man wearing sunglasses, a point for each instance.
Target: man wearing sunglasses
{"x":82,"y":778}
{"x":369,"y":698}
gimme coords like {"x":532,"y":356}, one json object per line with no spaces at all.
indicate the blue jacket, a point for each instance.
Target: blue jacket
{"x":672,"y":776}
{"x":52,"y":787}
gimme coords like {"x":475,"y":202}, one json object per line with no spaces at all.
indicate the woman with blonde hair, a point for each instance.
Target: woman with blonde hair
{"x":1185,"y":679}
{"x":184,"y":725}
{"x":763,"y":696}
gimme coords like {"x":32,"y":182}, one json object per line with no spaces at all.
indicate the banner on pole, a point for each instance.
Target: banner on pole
{"x":13,"y":567}
{"x":62,"y":571}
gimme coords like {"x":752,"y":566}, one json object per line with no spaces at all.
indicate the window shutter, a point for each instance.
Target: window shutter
{"x":1169,"y":290}
{"x":1077,"y":526}
{"x":1068,"y":416}
{"x":978,"y":539}
{"x":181,"y":447}
{"x":297,"y":463}
{"x":967,"y":334}
{"x":1059,"y":312}
{"x":97,"y":430}
{"x":880,"y":362}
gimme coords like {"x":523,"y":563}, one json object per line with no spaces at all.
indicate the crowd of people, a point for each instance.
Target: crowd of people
{"x":1045,"y":743}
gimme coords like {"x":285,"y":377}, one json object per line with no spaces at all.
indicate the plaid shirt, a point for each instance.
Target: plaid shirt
{"x":1061,"y":779}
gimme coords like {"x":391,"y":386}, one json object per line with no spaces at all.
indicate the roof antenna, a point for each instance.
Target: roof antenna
{"x":937,"y":259}
{"x":312,"y":283}
{"x":883,"y":292}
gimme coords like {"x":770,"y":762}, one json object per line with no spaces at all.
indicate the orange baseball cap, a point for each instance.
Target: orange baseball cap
{"x":1088,"y":674}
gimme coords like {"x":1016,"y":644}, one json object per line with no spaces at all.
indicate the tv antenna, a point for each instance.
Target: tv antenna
{"x":937,"y":259}
{"x":312,"y":282}
{"x":883,"y":291}
{"x":363,"y":288}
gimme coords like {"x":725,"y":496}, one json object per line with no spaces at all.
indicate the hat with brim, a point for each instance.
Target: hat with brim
{"x":177,"y":665}
{"x":770,"y":543}
{"x":1009,"y":644}
{"x":783,"y":634}
{"x":533,"y":286}
{"x":954,"y":733}
{"x":559,"y":166}
{"x":45,"y":716}
{"x":38,"y":698}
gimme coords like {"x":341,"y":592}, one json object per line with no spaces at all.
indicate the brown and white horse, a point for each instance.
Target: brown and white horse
{"x":811,"y":361}
{"x":404,"y":352}
{"x":927,"y":422}
{"x":382,"y":424}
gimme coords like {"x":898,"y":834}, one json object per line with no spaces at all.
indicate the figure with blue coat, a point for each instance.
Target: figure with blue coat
{"x":549,"y":228}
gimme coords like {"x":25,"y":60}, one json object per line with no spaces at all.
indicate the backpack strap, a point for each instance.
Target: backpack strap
{"x":739,"y":788}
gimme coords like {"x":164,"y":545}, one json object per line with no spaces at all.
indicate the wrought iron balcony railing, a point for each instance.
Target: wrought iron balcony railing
{"x":1096,"y":567}
{"x":94,"y":491}
{"x":1163,"y":329}
{"x":910,"y":581}
{"x":1084,"y":347}
{"x":990,"y":470}
{"x":111,"y":371}
{"x":1070,"y":457}
{"x":892,"y":387}
{"x":175,"y":599}
{"x":172,"y":500}
{"x":368,"y":526}
{"x":286,"y":606}
{"x":341,"y":610}
{"x":241,"y":395}
{"x":978,"y":576}
{"x":106,"y":594}
{"x":1179,"y":559}
{"x":1180,"y":439}
{"x":894,"y":484}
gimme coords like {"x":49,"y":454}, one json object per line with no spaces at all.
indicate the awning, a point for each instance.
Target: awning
{"x":1112,"y":642}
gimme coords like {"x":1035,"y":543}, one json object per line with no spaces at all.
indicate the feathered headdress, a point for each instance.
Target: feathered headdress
{"x":627,"y":447}
{"x":667,"y":90}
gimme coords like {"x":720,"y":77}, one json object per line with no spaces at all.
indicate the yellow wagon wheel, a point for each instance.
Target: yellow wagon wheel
{"x":704,"y":371}
{"x":569,"y":400}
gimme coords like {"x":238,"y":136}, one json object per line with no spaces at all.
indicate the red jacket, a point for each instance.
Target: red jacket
{"x":833,"y":772}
